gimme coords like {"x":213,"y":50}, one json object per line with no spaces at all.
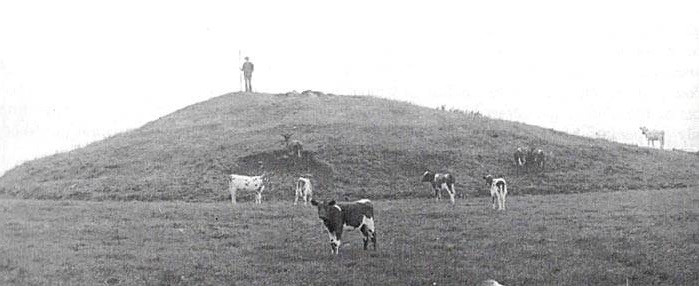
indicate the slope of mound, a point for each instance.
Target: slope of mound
{"x":354,"y":147}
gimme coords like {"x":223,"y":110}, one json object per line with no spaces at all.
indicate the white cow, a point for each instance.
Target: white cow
{"x":247,"y":183}
{"x":304,"y":190}
{"x":654,"y":135}
{"x":498,"y":190}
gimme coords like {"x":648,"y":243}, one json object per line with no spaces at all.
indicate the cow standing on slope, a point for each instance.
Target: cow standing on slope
{"x":358,"y":214}
{"x":247,"y":183}
{"x":654,"y":135}
{"x":439,"y":182}
{"x":303,"y":190}
{"x":536,"y":159}
{"x":498,"y":191}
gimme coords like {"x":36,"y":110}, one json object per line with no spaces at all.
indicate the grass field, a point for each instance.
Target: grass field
{"x":645,"y":237}
{"x":354,"y":146}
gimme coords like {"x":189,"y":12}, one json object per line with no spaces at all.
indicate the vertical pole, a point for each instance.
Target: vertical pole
{"x":240,"y":74}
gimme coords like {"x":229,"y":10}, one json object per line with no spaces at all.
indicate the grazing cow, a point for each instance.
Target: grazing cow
{"x":358,"y":214}
{"x":654,"y":135}
{"x":294,"y":147}
{"x":536,"y":159}
{"x":539,"y":159}
{"x":247,"y":183}
{"x":520,"y":159}
{"x":498,"y":190}
{"x":304,"y":190}
{"x":440,"y":181}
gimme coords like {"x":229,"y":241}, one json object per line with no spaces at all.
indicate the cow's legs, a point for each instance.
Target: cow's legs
{"x":259,"y":194}
{"x":233,"y":191}
{"x":369,"y":232}
{"x":335,"y":244}
{"x":365,"y":232}
{"x":437,"y":195}
{"x":452,"y":192}
{"x":492,"y":196}
{"x":373,"y":238}
{"x":502,"y":200}
{"x":368,"y":235}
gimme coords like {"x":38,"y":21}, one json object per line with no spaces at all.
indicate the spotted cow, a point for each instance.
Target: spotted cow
{"x":498,"y":191}
{"x":247,"y":183}
{"x":440,"y":181}
{"x":351,"y":215}
{"x":536,"y":159}
{"x":303,"y":190}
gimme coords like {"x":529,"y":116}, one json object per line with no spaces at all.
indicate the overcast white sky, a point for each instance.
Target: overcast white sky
{"x":72,"y":72}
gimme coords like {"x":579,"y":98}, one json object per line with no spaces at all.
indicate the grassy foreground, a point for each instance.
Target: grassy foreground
{"x":647,"y":237}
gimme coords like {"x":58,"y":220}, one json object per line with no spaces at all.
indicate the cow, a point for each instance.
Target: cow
{"x":303,"y":190}
{"x":539,"y":159}
{"x":440,"y":181}
{"x":247,"y":183}
{"x":535,"y":159}
{"x":294,"y":147}
{"x":498,"y":190}
{"x":353,"y":215}
{"x":520,"y":159}
{"x":654,"y":135}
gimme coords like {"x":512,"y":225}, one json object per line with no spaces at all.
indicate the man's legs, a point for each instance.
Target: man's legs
{"x":248,"y":83}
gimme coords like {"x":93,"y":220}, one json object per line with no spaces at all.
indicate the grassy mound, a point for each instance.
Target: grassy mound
{"x":355,"y":146}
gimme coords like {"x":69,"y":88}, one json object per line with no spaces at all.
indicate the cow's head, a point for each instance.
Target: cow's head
{"x":427,"y":176}
{"x":325,"y":209}
{"x":644,"y":130}
{"x":488,"y":180}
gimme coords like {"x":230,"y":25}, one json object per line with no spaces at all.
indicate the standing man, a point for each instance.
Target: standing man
{"x":247,"y":69}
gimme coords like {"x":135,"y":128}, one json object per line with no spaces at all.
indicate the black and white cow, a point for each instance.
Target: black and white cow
{"x":247,"y":183}
{"x":539,"y":159}
{"x":303,"y":190}
{"x":498,"y":191}
{"x":440,"y":181}
{"x":336,"y":216}
{"x":536,"y":159}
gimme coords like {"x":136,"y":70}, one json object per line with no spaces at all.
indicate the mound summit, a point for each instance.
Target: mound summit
{"x":354,"y":146}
